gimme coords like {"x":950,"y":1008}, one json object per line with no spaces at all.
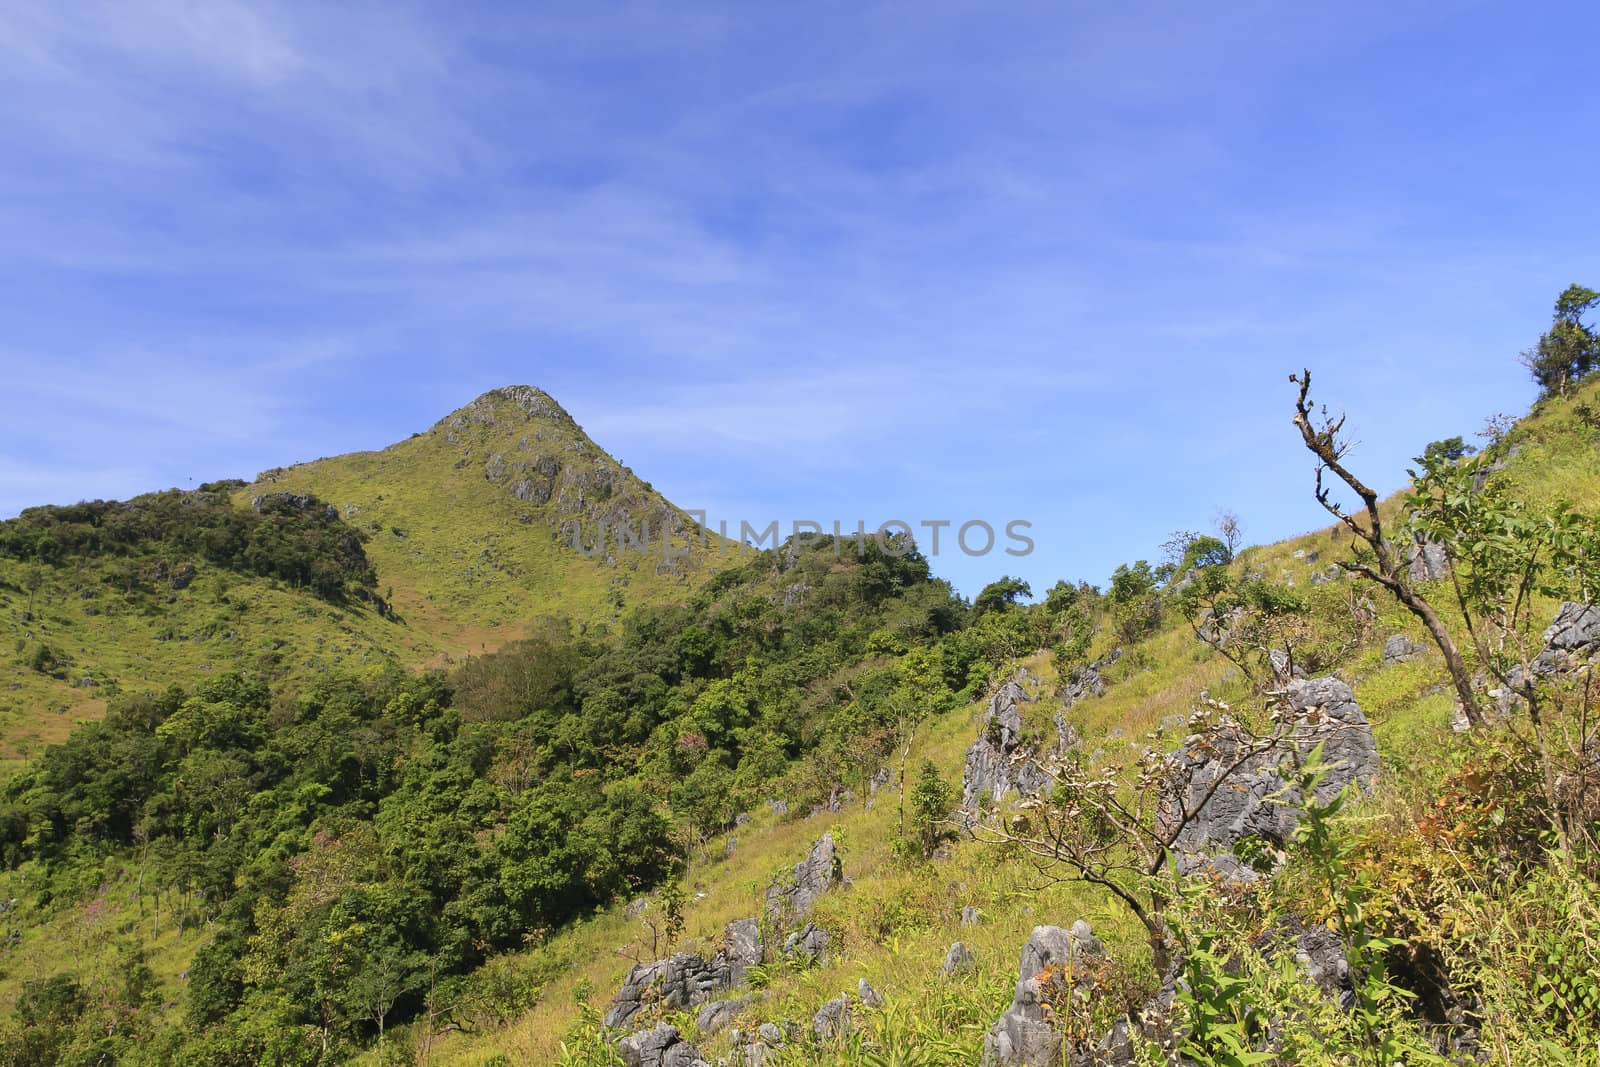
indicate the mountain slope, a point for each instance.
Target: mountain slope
{"x":469,"y":530}
{"x":892,"y":923}
{"x":482,"y":523}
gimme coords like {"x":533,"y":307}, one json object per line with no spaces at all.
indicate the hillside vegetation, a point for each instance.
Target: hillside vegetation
{"x":1398,"y":860}
{"x":447,"y":544}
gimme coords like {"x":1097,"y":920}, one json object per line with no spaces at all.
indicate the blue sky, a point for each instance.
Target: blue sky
{"x":921,"y":261}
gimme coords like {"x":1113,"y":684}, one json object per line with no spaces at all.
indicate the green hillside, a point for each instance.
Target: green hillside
{"x":465,"y":536}
{"x":893,"y":921}
{"x":462,"y":866}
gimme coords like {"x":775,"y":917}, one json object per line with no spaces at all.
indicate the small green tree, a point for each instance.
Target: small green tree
{"x":1570,"y":350}
{"x":931,"y":799}
{"x":1503,"y":557}
{"x":1135,"y":603}
{"x":1002,"y":593}
{"x":1445,"y":450}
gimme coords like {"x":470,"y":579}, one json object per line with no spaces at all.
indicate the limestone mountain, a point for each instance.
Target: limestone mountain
{"x":449,"y":543}
{"x":503,"y":511}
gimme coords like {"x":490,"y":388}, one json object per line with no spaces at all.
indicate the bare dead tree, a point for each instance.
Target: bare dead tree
{"x":1320,"y":433}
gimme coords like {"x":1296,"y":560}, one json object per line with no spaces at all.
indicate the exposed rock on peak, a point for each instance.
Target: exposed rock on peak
{"x":496,"y":404}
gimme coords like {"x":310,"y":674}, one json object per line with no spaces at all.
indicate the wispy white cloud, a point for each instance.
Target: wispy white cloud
{"x":986,"y":251}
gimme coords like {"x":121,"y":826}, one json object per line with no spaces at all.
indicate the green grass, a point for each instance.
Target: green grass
{"x":893,"y":923}
{"x":466,"y":564}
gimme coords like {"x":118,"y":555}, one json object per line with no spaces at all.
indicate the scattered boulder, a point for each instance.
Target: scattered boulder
{"x":789,"y":900}
{"x":970,"y":916}
{"x":832,"y":1019}
{"x":1257,"y":800}
{"x":687,"y":979}
{"x":1088,"y":681}
{"x":718,"y":1014}
{"x":959,"y":959}
{"x":1574,"y":635}
{"x":1426,"y":561}
{"x":869,"y":996}
{"x":1400,"y":649}
{"x":1283,"y":667}
{"x":808,"y":943}
{"x":1571,"y":641}
{"x":661,"y":1047}
{"x":1024,"y":1034}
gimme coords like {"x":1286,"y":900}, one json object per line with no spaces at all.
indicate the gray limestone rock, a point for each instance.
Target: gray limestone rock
{"x":790,"y":900}
{"x":1426,"y":562}
{"x":686,"y":979}
{"x":832,"y":1019}
{"x":1024,"y":1034}
{"x":718,"y":1014}
{"x":661,"y":1047}
{"x":808,"y":943}
{"x":1257,"y":799}
{"x":1400,"y":648}
{"x":959,"y":959}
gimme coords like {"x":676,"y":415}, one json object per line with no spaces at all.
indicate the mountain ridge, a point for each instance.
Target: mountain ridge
{"x":503,"y":513}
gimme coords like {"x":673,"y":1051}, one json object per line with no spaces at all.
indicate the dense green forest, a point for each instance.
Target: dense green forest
{"x":366,"y":862}
{"x":358,"y":847}
{"x":156,"y":540}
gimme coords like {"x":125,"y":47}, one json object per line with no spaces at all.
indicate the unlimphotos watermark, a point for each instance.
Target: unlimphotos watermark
{"x":673,"y":538}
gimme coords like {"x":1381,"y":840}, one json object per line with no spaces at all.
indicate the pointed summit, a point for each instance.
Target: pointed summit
{"x":507,"y":402}
{"x":501,"y":512}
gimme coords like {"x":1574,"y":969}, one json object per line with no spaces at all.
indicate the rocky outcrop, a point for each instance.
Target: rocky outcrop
{"x":753,"y":1048}
{"x":791,"y":899}
{"x":1087,"y":681}
{"x":1047,"y":974}
{"x":1572,"y":638}
{"x":1003,"y":758}
{"x":661,"y":1047}
{"x":1209,"y":815}
{"x":1317,"y":951}
{"x":1283,"y":665}
{"x":288,"y":503}
{"x":808,"y":944}
{"x":1570,"y":641}
{"x":869,"y":996}
{"x":687,"y":979}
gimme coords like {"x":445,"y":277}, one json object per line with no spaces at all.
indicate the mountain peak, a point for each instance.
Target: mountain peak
{"x":507,"y":401}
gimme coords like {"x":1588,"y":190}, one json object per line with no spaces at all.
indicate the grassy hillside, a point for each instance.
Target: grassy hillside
{"x":893,"y":921}
{"x":469,"y":528}
{"x":250,"y":876}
